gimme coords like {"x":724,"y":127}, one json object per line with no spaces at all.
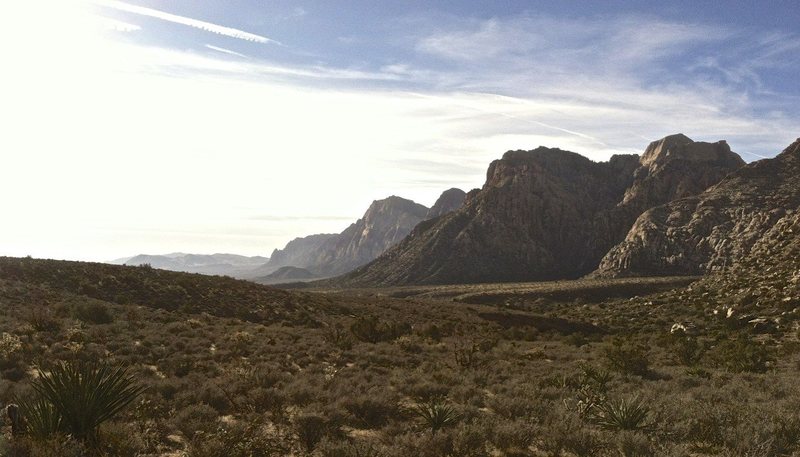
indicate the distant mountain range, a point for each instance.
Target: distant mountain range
{"x":385,"y":223}
{"x":233,"y":265}
{"x":547,"y":214}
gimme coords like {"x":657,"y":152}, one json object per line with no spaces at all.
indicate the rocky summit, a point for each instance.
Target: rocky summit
{"x":449,"y":201}
{"x":547,"y":214}
{"x":740,"y":216}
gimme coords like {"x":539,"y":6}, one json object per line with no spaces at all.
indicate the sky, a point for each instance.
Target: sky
{"x":155,"y":126}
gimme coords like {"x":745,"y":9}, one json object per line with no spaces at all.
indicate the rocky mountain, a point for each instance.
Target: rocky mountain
{"x":384,"y":224}
{"x":715,"y":229}
{"x":547,"y":214}
{"x":233,"y":265}
{"x":449,"y":201}
{"x":286,"y":274}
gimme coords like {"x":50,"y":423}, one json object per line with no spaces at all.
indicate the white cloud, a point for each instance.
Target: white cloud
{"x":198,"y":24}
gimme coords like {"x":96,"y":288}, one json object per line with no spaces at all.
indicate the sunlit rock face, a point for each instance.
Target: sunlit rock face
{"x":715,"y":229}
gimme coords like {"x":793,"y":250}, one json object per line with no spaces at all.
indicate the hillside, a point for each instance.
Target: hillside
{"x":237,"y":369}
{"x":547,"y":214}
{"x":715,"y":229}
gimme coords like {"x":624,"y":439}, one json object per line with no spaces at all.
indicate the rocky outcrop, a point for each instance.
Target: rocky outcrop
{"x":385,"y":223}
{"x":449,"y":201}
{"x":715,"y":229}
{"x":546,"y":214}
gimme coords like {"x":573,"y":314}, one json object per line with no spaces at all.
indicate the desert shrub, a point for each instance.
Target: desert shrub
{"x":513,"y":437}
{"x":310,"y":428}
{"x":42,"y":319}
{"x":195,"y":418}
{"x":241,"y":342}
{"x":93,"y":313}
{"x":628,"y":356}
{"x":630,"y":444}
{"x":347,"y":449}
{"x":338,"y":337}
{"x":56,"y":445}
{"x":423,"y":390}
{"x":743,"y":355}
{"x":469,"y":440}
{"x":371,"y":412}
{"x":10,"y":348}
{"x":373,"y":330}
{"x":436,"y":415}
{"x":84,"y":395}
{"x":240,"y":440}
{"x":687,"y":350}
{"x":121,"y":439}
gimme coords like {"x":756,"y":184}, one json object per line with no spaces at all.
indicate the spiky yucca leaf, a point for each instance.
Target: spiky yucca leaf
{"x":623,"y":414}
{"x":437,"y":415}
{"x":41,"y":420}
{"x":86,"y":394}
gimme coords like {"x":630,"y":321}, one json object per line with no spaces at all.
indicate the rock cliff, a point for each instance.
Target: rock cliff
{"x":547,"y":214}
{"x":715,"y":229}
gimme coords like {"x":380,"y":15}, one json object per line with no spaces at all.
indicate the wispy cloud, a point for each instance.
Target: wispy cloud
{"x":174,"y":18}
{"x":226,"y":51}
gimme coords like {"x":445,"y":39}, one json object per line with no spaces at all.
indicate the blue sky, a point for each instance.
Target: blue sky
{"x":213,"y":126}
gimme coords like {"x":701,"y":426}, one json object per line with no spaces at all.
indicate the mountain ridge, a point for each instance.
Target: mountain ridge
{"x":546,"y":214}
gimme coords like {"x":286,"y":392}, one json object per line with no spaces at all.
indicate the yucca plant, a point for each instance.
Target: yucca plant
{"x":76,"y":397}
{"x":623,"y":414}
{"x":437,"y":415}
{"x":41,"y":420}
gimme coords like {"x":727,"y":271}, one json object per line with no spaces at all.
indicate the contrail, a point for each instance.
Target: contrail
{"x":198,"y":24}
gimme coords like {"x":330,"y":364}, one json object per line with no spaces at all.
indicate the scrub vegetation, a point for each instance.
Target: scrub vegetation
{"x":209,"y":366}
